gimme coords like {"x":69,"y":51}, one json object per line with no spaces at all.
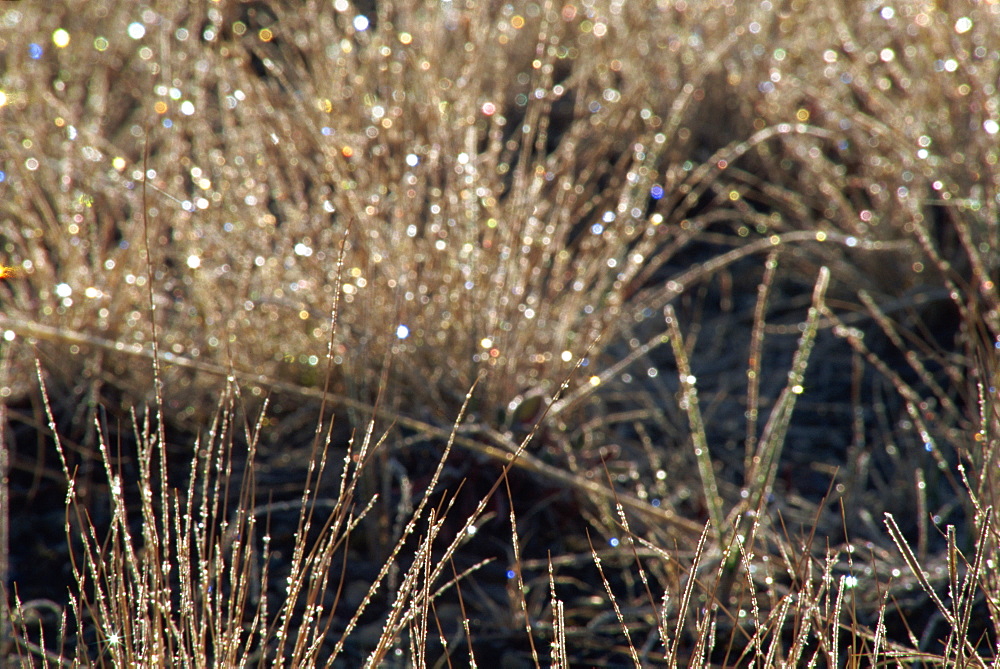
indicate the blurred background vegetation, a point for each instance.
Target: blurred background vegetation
{"x":732,"y":262}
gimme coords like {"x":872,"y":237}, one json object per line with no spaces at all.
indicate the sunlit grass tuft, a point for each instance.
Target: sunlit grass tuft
{"x":685,"y":315}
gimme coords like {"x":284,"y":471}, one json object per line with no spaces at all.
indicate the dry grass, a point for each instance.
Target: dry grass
{"x":653,"y":333}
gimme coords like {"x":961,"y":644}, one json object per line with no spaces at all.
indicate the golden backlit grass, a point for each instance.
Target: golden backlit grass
{"x":719,"y":263}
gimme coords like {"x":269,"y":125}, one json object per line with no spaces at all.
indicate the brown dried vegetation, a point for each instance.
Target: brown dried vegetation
{"x":615,"y":333}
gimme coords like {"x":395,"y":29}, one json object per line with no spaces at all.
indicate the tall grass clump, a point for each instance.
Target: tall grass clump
{"x":652,"y":331}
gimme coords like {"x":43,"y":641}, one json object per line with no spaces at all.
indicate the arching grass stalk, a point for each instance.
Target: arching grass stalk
{"x":760,"y":478}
